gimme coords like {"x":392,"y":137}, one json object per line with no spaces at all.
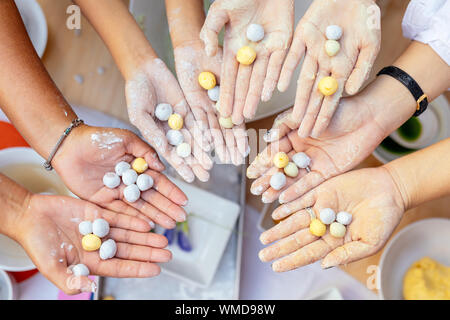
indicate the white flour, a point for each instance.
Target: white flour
{"x":105,"y":140}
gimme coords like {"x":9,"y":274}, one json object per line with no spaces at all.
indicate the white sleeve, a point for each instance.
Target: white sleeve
{"x":428,"y":21}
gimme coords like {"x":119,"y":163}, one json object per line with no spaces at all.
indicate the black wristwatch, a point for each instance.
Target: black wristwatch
{"x":413,"y":87}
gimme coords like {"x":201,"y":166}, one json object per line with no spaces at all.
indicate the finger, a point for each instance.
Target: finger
{"x":125,"y":221}
{"x":293,"y":58}
{"x":214,"y":22}
{"x":199,"y":171}
{"x":240,"y":94}
{"x":347,"y":253}
{"x":199,"y":103}
{"x":197,"y":152}
{"x":154,"y":214}
{"x":273,"y":74}
{"x":180,"y":165}
{"x":216,"y":133}
{"x":235,"y":156}
{"x":62,"y":276}
{"x":287,"y":209}
{"x":313,"y":107}
{"x":282,"y":125}
{"x":287,"y":245}
{"x":199,"y":137}
{"x":228,"y":83}
{"x":270,"y":195}
{"x":362,"y":69}
{"x":304,"y":87}
{"x":167,"y":188}
{"x":262,"y":183}
{"x":164,"y":205}
{"x":142,"y":253}
{"x":299,"y":188}
{"x":119,"y":268}
{"x":294,"y":223}
{"x":303,"y":256}
{"x":256,"y":85}
{"x":329,"y":106}
{"x":150,"y":239}
{"x":121,"y":206}
{"x":240,"y":135}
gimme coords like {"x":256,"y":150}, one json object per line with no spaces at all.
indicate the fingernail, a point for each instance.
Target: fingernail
{"x":185,"y":202}
{"x":282,"y":199}
{"x":181,"y":217}
{"x":265,"y":200}
{"x":261,"y":256}
{"x":151,"y":224}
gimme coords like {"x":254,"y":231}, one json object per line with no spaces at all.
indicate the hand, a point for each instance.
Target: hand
{"x":370,"y":195}
{"x":190,"y":60}
{"x":89,"y":152}
{"x":150,"y":85}
{"x":243,"y":86}
{"x":49,"y":233}
{"x":352,"y":135}
{"x":360,"y":43}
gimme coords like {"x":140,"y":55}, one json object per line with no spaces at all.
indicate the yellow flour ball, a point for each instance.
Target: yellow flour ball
{"x":175,"y":121}
{"x":291,"y":170}
{"x":91,"y":242}
{"x":337,"y":230}
{"x":328,"y":86}
{"x":227,"y":123}
{"x":139,"y":165}
{"x":317,"y":228}
{"x":246,"y":55}
{"x":280,"y":160}
{"x":207,"y":80}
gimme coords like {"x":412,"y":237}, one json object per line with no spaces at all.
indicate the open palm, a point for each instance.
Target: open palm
{"x":352,"y":135}
{"x":370,"y":195}
{"x":242,"y":87}
{"x":90,"y":152}
{"x":52,"y":240}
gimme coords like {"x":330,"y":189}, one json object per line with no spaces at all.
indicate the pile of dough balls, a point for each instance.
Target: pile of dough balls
{"x":337,"y":223}
{"x":164,"y":112}
{"x":133,"y":177}
{"x":290,"y":169}
{"x":93,"y":232}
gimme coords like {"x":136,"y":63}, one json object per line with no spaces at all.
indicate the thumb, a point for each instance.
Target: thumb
{"x":214,"y":22}
{"x":347,"y":253}
{"x":65,"y":280}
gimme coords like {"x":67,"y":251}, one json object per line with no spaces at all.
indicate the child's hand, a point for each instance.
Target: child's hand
{"x":150,"y":85}
{"x":353,"y":134}
{"x":88,"y":153}
{"x":48,"y":230}
{"x":243,"y":86}
{"x":370,"y":195}
{"x":190,"y":60}
{"x":359,"y":46}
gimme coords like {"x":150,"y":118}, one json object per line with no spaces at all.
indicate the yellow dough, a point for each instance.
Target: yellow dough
{"x":317,"y":228}
{"x":427,"y":279}
{"x":91,"y":242}
{"x":207,"y":80}
{"x":227,"y":123}
{"x":328,"y":86}
{"x":280,"y":160}
{"x":139,"y":165}
{"x":175,"y":121}
{"x":246,"y":55}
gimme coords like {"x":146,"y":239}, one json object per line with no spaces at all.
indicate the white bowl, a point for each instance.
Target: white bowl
{"x":8,"y":288}
{"x":12,"y":255}
{"x":424,"y":238}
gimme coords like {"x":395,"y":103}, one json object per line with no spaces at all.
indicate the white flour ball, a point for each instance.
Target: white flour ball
{"x":255,"y":32}
{"x":100,"y":227}
{"x":85,"y":227}
{"x":175,"y":137}
{"x":327,"y":215}
{"x":121,"y":167}
{"x":144,"y":182}
{"x":214,"y":93}
{"x":80,"y":270}
{"x":344,"y":218}
{"x":278,"y":181}
{"x":111,"y":180}
{"x":184,"y":150}
{"x":108,"y":249}
{"x":129,"y":177}
{"x":301,"y":159}
{"x":333,"y":32}
{"x":131,"y":193}
{"x":163,"y":111}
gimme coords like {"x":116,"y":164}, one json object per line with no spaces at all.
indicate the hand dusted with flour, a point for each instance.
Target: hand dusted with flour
{"x":359,"y":46}
{"x":242,"y":86}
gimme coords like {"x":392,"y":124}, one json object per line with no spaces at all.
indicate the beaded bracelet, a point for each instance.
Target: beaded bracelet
{"x":75,"y":123}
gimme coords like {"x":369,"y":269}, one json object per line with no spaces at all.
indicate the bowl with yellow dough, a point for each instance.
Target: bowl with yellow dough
{"x":415,"y":265}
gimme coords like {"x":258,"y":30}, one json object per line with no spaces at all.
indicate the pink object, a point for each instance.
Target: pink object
{"x":81,"y":296}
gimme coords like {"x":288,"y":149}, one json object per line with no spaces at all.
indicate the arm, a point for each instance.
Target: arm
{"x":423,"y":175}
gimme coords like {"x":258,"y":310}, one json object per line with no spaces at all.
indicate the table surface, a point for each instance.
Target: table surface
{"x":69,"y":54}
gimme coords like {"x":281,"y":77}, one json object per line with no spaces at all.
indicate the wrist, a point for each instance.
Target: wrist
{"x":401,"y":187}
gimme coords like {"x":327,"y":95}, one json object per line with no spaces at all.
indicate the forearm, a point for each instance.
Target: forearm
{"x":391,"y":102}
{"x":185,"y":20}
{"x":28,"y":95}
{"x":423,"y":175}
{"x":120,"y":32}
{"x":14,"y":200}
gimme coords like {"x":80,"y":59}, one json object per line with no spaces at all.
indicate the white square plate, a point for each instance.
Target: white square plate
{"x":210,"y":226}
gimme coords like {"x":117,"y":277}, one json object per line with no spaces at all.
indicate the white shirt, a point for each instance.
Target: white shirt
{"x":428,"y":21}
